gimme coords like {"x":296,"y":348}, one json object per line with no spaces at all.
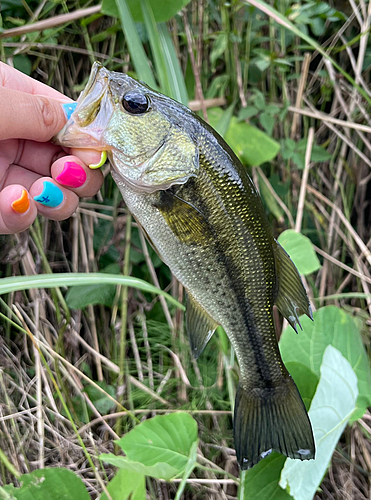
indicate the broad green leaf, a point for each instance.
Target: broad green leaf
{"x":16,"y":283}
{"x":164,"y":438}
{"x":305,"y":380}
{"x":301,"y":251}
{"x":51,"y":484}
{"x":250,"y":144}
{"x":331,"y":409}
{"x":23,"y":63}
{"x":137,"y":53}
{"x":126,"y":485}
{"x":261,"y":482}
{"x":331,"y":326}
{"x":163,"y":11}
{"x":160,"y":470}
{"x":253,"y":146}
{"x":79,"y":297}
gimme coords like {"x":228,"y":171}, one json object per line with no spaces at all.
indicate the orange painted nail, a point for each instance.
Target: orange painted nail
{"x":22,"y":204}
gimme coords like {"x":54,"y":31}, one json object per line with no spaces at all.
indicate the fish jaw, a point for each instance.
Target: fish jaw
{"x":85,"y":128}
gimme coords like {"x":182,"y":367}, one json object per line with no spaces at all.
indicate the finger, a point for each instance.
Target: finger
{"x":18,"y":175}
{"x":72,"y":173}
{"x":17,"y":209}
{"x":25,"y":116}
{"x":53,"y":201}
{"x":34,"y":156}
{"x":14,"y":79}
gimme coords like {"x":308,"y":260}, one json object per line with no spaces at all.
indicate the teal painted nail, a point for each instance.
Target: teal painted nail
{"x":51,"y":196}
{"x":69,"y":108}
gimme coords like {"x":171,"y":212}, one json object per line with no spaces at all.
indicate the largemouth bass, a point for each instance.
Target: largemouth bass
{"x":203,"y":215}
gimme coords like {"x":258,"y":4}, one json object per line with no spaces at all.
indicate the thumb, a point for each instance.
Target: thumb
{"x":28,"y":116}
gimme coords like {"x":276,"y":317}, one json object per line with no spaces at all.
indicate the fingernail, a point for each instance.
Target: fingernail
{"x":103,"y":159}
{"x":51,"y":196}
{"x":22,"y":204}
{"x":69,"y":108}
{"x":72,"y":175}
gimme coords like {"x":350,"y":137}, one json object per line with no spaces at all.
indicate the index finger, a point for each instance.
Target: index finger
{"x":16,"y":80}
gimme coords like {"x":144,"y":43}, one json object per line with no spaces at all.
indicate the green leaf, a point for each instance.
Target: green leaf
{"x":138,"y":56}
{"x":79,"y":297}
{"x":305,"y":379}
{"x":23,"y":63}
{"x":220,"y":45}
{"x":301,"y":251}
{"x":16,"y":283}
{"x":51,"y":484}
{"x":261,"y":482}
{"x":248,"y":112}
{"x":163,"y":11}
{"x":267,"y":122}
{"x":253,"y":146}
{"x":126,"y":485}
{"x":165,"y":438}
{"x":160,"y":470}
{"x":102,"y":403}
{"x":331,"y":409}
{"x":331,"y":326}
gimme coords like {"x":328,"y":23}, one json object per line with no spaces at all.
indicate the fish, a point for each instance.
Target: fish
{"x":203,"y":215}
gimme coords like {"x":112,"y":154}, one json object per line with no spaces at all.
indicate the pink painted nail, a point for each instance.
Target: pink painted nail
{"x":72,"y":175}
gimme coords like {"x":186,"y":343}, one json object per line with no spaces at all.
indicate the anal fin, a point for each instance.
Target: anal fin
{"x":200,"y":326}
{"x":292,"y":299}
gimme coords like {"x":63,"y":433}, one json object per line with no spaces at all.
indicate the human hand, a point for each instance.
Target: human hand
{"x":37,"y":176}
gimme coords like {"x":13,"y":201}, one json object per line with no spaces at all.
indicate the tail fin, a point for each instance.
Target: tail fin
{"x":272,"y":419}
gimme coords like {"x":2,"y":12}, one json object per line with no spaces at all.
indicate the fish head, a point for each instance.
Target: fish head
{"x":143,"y":132}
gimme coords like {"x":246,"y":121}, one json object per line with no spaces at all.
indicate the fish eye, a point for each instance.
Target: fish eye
{"x":135,"y":102}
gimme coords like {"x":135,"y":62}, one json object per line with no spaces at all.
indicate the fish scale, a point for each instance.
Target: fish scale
{"x":203,"y":215}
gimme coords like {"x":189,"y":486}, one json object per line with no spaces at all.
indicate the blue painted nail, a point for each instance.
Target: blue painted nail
{"x":51,"y":196}
{"x":69,"y":108}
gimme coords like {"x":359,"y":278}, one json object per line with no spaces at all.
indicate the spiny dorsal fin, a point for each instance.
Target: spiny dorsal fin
{"x":200,"y":326}
{"x":292,"y":300}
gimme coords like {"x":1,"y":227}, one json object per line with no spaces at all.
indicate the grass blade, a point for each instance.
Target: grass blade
{"x":176,"y":79}
{"x":154,"y":40}
{"x":17,"y":283}
{"x":138,"y":56}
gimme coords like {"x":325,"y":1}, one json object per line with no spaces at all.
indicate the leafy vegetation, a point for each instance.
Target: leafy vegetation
{"x":100,"y":397}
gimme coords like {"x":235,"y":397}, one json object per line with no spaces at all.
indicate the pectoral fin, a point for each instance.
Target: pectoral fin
{"x":187,"y":223}
{"x":292,"y":300}
{"x":200,"y":326}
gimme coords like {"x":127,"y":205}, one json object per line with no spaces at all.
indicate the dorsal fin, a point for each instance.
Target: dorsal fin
{"x":200,"y":326}
{"x":291,"y":300}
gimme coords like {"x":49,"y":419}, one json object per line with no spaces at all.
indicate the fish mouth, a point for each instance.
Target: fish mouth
{"x":86,"y":126}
